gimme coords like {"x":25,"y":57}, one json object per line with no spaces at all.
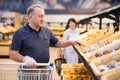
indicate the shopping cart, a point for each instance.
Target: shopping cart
{"x":18,"y":71}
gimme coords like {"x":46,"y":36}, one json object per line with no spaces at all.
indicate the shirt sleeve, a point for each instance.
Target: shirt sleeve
{"x":53,"y":39}
{"x":16,"y":41}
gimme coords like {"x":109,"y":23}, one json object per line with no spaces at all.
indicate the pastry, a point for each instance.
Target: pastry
{"x":106,"y":52}
{"x":102,"y":68}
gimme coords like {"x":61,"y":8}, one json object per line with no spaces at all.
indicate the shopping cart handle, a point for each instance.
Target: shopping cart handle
{"x":45,"y":64}
{"x":15,"y":63}
{"x":51,"y":64}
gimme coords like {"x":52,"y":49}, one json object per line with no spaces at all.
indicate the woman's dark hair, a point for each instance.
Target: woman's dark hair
{"x":71,"y":19}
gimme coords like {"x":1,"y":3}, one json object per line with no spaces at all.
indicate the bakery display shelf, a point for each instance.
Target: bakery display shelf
{"x":4,"y":50}
{"x":112,"y":76}
{"x":100,"y":47}
{"x":97,"y":65}
{"x":86,"y":64}
{"x":4,"y":56}
{"x":103,"y":51}
{"x":85,"y":61}
{"x":109,"y":46}
{"x":5,"y":43}
{"x":115,"y":38}
{"x":107,"y":13}
{"x":93,"y":41}
{"x":6,"y":35}
{"x":57,"y":30}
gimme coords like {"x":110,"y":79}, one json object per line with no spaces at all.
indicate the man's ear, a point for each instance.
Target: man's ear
{"x":29,"y":16}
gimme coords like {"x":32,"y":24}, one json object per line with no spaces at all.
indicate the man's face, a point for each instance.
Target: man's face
{"x":38,"y":17}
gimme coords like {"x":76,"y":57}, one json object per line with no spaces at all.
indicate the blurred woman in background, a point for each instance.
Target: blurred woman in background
{"x":70,"y":32}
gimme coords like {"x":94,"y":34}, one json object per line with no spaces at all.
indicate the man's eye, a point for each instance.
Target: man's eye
{"x":40,"y":16}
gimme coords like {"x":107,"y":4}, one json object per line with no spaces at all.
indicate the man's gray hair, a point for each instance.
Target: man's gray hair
{"x":31,"y":8}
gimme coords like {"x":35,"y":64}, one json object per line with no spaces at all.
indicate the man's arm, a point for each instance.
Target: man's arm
{"x":65,"y":43}
{"x":16,"y":56}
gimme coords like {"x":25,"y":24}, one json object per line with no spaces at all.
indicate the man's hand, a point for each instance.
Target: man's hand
{"x":29,"y":61}
{"x":77,"y":43}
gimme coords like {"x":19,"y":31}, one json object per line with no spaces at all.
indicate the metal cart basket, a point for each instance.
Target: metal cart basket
{"x":18,"y":71}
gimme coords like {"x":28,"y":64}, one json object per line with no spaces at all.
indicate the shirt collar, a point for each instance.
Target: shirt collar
{"x":31,"y":29}
{"x":71,"y":30}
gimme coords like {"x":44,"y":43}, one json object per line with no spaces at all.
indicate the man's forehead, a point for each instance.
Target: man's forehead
{"x":37,"y":9}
